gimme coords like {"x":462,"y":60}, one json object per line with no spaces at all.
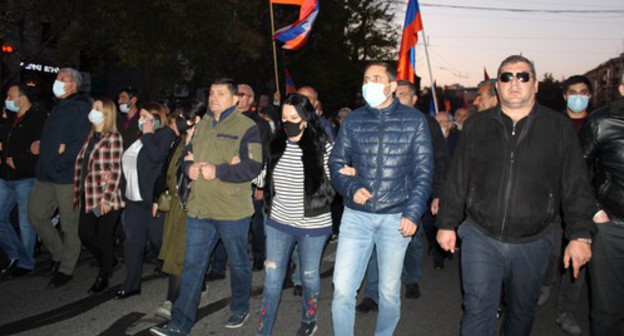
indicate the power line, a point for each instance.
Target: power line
{"x":522,"y":10}
{"x":526,"y":38}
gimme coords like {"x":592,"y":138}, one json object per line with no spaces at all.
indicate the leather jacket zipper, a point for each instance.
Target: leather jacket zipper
{"x":507,"y":193}
{"x":506,"y":200}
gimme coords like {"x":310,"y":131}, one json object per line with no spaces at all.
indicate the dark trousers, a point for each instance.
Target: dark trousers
{"x":606,"y":274}
{"x":337,"y":208}
{"x":140,"y":228}
{"x":570,"y":288}
{"x":428,"y":224}
{"x":96,"y":234}
{"x":257,"y":232}
{"x":487,"y":264}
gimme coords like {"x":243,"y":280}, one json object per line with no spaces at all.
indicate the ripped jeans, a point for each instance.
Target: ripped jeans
{"x":279,"y":247}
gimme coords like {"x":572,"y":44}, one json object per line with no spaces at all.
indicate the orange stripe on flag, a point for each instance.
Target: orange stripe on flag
{"x":287,"y":2}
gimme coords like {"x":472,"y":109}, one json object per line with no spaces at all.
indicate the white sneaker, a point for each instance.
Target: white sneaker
{"x":164,"y":310}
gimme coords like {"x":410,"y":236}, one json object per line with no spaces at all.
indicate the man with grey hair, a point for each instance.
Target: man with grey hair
{"x":486,"y":95}
{"x":602,"y":146}
{"x":64,"y":133}
{"x":515,"y":167}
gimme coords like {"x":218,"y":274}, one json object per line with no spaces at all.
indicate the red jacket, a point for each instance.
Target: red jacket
{"x":102,"y":181}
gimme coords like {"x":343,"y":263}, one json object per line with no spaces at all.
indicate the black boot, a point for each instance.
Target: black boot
{"x":100,"y":284}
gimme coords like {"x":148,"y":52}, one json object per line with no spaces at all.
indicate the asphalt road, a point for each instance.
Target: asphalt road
{"x":28,"y":307}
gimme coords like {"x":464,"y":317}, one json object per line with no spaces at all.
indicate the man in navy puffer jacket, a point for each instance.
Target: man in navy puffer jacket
{"x":382,"y":163}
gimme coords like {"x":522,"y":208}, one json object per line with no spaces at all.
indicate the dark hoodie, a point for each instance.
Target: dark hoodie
{"x":67,"y":124}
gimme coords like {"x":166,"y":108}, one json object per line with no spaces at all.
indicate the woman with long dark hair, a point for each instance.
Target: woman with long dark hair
{"x":97,"y":176}
{"x":299,"y":197}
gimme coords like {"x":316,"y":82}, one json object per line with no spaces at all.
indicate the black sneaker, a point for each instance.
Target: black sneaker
{"x":9,"y":267}
{"x":60,"y":279}
{"x":236,"y":320}
{"x":367,"y":305}
{"x":307,"y":329}
{"x":19,"y":272}
{"x":412,"y":291}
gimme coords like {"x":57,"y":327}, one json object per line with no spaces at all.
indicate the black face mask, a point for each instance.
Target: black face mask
{"x":182,"y":125}
{"x":292,"y":129}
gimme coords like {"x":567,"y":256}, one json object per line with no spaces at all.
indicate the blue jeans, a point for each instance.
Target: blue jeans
{"x":359,"y":233}
{"x":16,"y":246}
{"x":201,"y":238}
{"x":487,"y":264}
{"x":411,"y":267}
{"x":279,"y":247}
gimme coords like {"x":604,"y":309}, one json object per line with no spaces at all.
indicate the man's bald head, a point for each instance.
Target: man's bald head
{"x":311,"y":94}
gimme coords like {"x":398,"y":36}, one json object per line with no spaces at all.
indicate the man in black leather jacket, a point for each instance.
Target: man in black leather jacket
{"x":602,"y":142}
{"x":514,"y":167}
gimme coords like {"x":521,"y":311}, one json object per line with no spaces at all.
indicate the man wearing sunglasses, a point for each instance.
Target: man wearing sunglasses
{"x":516,"y":165}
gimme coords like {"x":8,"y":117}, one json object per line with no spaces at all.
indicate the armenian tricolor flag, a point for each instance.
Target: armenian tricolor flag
{"x":295,"y":35}
{"x":407,"y":54}
{"x":290,"y":84}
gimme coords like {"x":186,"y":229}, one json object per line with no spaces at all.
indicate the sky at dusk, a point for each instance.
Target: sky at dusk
{"x":462,"y":42}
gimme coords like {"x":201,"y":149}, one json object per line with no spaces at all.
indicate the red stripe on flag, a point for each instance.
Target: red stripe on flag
{"x":409,"y":39}
{"x":287,"y":2}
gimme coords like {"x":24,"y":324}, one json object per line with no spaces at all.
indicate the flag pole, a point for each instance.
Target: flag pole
{"x":435,"y":100}
{"x":277,"y":84}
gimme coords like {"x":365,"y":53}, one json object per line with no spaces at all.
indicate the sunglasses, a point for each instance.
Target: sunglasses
{"x":507,"y":77}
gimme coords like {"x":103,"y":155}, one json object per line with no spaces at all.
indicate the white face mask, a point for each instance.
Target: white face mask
{"x":374,"y":94}
{"x":124,"y":108}
{"x":10,"y":105}
{"x":58,"y":88}
{"x":96,"y":117}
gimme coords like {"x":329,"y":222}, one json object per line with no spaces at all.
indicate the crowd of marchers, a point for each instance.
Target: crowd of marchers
{"x":531,"y":199}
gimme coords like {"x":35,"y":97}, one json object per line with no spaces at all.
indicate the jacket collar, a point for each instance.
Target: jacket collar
{"x":223,"y":115}
{"x":536,"y":111}
{"x":388,"y":110}
{"x":617,"y":108}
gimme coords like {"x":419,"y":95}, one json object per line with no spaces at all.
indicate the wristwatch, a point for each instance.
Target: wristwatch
{"x":584,"y":240}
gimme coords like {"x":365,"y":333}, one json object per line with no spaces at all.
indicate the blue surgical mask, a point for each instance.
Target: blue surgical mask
{"x":96,"y":117}
{"x":58,"y":88}
{"x":10,"y":105}
{"x":374,"y":94}
{"x":578,"y":103}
